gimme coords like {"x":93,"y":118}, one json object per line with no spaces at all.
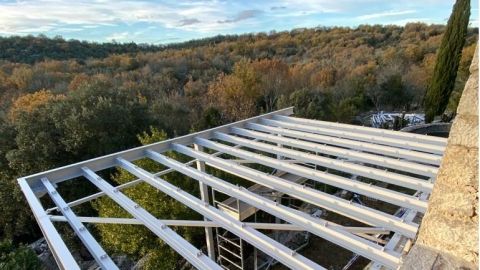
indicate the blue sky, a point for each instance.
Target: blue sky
{"x":168,"y":21}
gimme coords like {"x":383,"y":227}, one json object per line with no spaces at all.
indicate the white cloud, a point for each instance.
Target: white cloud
{"x":386,"y":14}
{"x":123,"y":36}
{"x":47,"y":15}
{"x":402,"y":22}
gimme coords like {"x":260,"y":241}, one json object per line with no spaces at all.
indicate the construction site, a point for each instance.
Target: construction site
{"x":310,"y":195}
{"x":300,"y":194}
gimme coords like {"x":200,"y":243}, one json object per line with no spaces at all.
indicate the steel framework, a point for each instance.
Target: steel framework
{"x":392,"y":167}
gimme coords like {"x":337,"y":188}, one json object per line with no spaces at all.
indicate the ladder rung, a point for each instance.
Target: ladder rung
{"x":229,"y":241}
{"x":231,"y":252}
{"x":226,"y":259}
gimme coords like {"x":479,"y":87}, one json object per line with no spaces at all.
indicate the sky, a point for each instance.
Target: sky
{"x":171,"y":21}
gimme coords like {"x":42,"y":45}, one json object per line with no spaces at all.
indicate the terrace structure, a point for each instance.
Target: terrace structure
{"x":314,"y":179}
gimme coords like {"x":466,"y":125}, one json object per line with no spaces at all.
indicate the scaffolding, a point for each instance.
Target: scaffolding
{"x":305,"y":157}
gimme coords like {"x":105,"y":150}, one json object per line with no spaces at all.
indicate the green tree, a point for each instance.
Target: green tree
{"x":138,"y":241}
{"x":308,"y":103}
{"x":17,"y":258}
{"x":448,"y":59}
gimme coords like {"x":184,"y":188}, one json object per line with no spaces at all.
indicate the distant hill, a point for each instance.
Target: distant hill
{"x":32,"y":49}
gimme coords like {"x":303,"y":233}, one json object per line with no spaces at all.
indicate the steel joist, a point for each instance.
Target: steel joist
{"x":423,"y":147}
{"x":380,"y":193}
{"x":257,"y":239}
{"x":87,"y":239}
{"x":315,"y":197}
{"x":187,"y":250}
{"x":397,"y":160}
{"x":366,"y":130}
{"x":309,"y":223}
{"x":339,"y":165}
{"x":352,"y":144}
{"x":351,"y":155}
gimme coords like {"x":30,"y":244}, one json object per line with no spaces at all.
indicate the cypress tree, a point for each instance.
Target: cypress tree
{"x":448,"y":58}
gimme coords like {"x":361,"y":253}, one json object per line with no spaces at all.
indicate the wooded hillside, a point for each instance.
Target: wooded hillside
{"x":66,"y":101}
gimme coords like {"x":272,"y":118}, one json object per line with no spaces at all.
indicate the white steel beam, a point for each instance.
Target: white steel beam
{"x":379,"y":160}
{"x":100,"y":256}
{"x":312,"y":196}
{"x":206,"y":199}
{"x":122,"y":186}
{"x":435,"y":149}
{"x":184,"y":248}
{"x":108,"y":161}
{"x":372,"y":191}
{"x":362,"y":146}
{"x":211,"y":224}
{"x":366,"y":130}
{"x":314,"y":225}
{"x":252,"y":236}
{"x":340,"y":165}
{"x":55,"y":243}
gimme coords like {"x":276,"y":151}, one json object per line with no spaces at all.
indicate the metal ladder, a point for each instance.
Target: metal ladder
{"x":229,"y":246}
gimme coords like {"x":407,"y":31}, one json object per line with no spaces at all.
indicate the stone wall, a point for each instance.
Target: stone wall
{"x":448,"y":236}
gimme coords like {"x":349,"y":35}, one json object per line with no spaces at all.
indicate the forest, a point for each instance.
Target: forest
{"x":66,"y":101}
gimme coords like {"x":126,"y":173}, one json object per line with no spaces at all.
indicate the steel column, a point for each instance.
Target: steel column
{"x":205,"y":198}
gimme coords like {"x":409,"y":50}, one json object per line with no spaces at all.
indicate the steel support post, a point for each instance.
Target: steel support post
{"x":206,"y":198}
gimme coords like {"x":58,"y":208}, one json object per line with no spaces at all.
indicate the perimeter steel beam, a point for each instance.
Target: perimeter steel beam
{"x":252,"y":236}
{"x":122,"y":186}
{"x":313,"y":225}
{"x":379,"y":160}
{"x":419,"y":138}
{"x":435,"y":149}
{"x":340,"y":165}
{"x":100,"y":256}
{"x":346,"y":208}
{"x":184,"y":248}
{"x":55,"y":242}
{"x":211,"y":224}
{"x":361,"y":146}
{"x":372,"y":191}
{"x":108,"y":161}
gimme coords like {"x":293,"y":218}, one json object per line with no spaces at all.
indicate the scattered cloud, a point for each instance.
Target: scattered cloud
{"x":185,"y":22}
{"x":403,"y":22}
{"x":150,"y":20}
{"x":243,"y":15}
{"x":386,"y":14}
{"x":123,"y":36}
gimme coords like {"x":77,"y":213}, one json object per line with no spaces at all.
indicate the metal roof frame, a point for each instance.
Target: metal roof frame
{"x":385,"y":157}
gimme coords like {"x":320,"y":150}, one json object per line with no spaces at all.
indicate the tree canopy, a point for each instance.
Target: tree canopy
{"x":448,"y":59}
{"x":93,"y":99}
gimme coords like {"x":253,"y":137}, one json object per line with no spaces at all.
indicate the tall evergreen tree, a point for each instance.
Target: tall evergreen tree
{"x":448,"y":59}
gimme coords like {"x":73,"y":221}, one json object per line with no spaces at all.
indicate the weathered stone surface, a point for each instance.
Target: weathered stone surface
{"x":464,"y":131}
{"x":474,"y":65}
{"x":457,"y":169}
{"x":469,"y":99}
{"x":424,"y":258}
{"x":448,"y":236}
